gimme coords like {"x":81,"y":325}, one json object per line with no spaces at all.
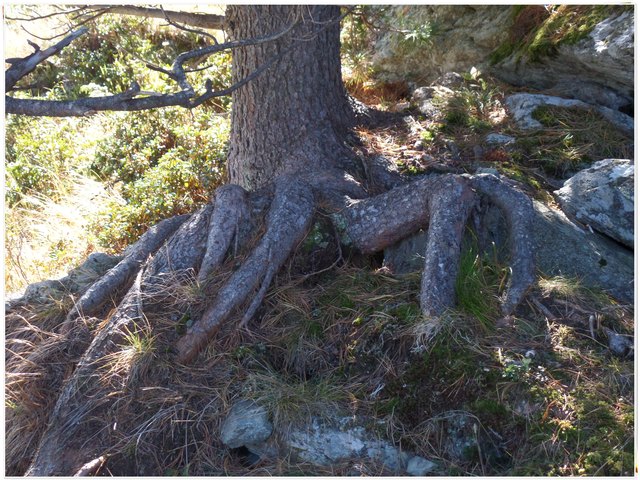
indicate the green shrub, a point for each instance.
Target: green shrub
{"x":166,"y":163}
{"x":43,"y":155}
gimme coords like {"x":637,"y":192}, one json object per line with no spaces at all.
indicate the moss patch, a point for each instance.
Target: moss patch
{"x":538,"y":32}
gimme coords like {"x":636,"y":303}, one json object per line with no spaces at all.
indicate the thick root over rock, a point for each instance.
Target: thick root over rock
{"x":443,"y":204}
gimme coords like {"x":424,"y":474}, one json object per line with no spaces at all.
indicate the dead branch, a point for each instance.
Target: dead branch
{"x":125,"y":100}
{"x":201,"y":20}
{"x":20,"y":68}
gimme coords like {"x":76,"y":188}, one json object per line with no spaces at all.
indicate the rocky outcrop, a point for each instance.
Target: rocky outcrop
{"x":597,"y":69}
{"x":463,"y":35}
{"x":76,"y":281}
{"x":602,"y":197}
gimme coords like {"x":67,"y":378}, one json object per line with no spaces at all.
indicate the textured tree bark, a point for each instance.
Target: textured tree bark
{"x":291,"y":119}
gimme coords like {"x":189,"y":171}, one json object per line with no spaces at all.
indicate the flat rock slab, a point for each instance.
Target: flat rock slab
{"x":602,"y":197}
{"x":522,"y":105}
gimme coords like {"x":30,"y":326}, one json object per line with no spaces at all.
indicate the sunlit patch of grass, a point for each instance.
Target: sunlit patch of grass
{"x":44,"y":239}
{"x":132,"y":360}
{"x":572,"y":138}
{"x":478,"y":287}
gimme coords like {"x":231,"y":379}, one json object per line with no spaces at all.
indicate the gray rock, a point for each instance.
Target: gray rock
{"x":522,"y":105}
{"x":93,"y":268}
{"x":563,"y":248}
{"x":406,"y":256}
{"x":42,"y":292}
{"x":499,"y":139}
{"x":247,"y":424}
{"x":323,"y":444}
{"x":327,"y":443}
{"x":598,"y":69}
{"x":602,"y":197}
{"x":620,"y":345}
{"x":423,"y":98}
{"x":419,"y":467}
{"x":449,"y":80}
{"x":468,"y":34}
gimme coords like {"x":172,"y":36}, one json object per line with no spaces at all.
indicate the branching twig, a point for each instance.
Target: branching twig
{"x":20,"y":68}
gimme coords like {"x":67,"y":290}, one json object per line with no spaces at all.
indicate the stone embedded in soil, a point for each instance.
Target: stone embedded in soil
{"x":499,"y":139}
{"x":247,"y":424}
{"x":419,"y":467}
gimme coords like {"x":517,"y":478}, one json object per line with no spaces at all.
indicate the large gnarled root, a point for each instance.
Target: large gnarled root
{"x":443,"y":203}
{"x":518,"y":211}
{"x":289,"y":219}
{"x":231,"y":208}
{"x":449,"y":207}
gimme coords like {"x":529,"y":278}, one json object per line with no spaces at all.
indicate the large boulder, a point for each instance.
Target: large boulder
{"x":597,"y":69}
{"x":463,"y":36}
{"x":602,"y":197}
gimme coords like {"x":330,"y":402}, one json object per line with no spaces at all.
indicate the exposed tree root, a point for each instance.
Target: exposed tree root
{"x":449,"y":208}
{"x":118,"y":277}
{"x":288,"y":221}
{"x":443,"y":203}
{"x":518,"y":210}
{"x":80,"y":422}
{"x":231,"y":208}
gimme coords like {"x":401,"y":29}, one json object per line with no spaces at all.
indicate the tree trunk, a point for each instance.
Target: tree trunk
{"x":293,"y":117}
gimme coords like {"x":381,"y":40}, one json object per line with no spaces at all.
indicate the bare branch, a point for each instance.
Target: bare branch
{"x":201,"y":20}
{"x":192,"y":30}
{"x":127,"y":101}
{"x":21,"y":68}
{"x":123,"y":101}
{"x":42,"y":17}
{"x":179,"y":74}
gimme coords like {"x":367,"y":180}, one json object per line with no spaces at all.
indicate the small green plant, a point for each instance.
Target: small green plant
{"x":478,"y":286}
{"x":427,"y":136}
{"x":470,"y":106}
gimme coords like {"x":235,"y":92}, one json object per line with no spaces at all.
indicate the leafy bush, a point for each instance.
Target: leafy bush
{"x":165,"y":162}
{"x":42,"y":156}
{"x":470,"y":106}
